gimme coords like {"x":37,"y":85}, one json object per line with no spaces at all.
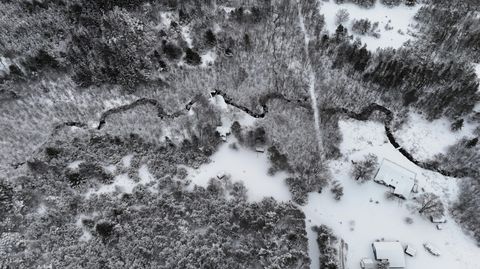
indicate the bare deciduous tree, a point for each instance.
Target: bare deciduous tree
{"x":363,"y":170}
{"x":342,"y":16}
{"x":429,"y":204}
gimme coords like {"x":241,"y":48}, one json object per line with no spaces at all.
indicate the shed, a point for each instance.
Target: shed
{"x":366,"y":263}
{"x":260,"y":149}
{"x":440,"y":219}
{"x":391,"y":251}
{"x":399,"y":178}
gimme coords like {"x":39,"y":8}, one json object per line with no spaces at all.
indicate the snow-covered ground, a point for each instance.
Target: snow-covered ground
{"x":187,"y":35}
{"x":74,"y":165}
{"x":122,"y":183}
{"x":208,"y":58}
{"x":424,"y":139}
{"x":243,"y":165}
{"x":400,"y":18}
{"x":360,"y":220}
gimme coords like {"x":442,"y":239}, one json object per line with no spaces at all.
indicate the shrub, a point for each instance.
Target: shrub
{"x":278,"y":161}
{"x":210,"y":38}
{"x":337,"y":190}
{"x":362,"y":26}
{"x":52,"y":152}
{"x":457,"y":125}
{"x":236,"y":129}
{"x":364,"y":170}
{"x":104,"y":228}
{"x":192,"y":57}
{"x":391,"y":2}
{"x":172,"y":51}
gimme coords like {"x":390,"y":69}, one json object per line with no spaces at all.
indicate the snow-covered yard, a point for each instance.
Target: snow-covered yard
{"x":398,"y":20}
{"x":360,"y":220}
{"x":424,"y":139}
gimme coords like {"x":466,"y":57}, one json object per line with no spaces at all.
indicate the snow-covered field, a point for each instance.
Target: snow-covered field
{"x":400,"y":18}
{"x":247,"y":166}
{"x":424,"y":139}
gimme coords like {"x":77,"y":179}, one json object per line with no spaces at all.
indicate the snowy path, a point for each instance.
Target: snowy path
{"x":311,"y":89}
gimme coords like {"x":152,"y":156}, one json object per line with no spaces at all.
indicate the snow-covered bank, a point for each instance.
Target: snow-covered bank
{"x":400,"y":18}
{"x":360,"y":220}
{"x":243,"y":165}
{"x":424,"y":139}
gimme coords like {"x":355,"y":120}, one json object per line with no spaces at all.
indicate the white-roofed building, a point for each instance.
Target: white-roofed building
{"x":390,"y":251}
{"x":399,"y":178}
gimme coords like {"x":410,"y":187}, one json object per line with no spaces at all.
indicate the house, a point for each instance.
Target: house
{"x":366,"y":263}
{"x":399,"y":178}
{"x":410,"y":251}
{"x":391,"y":251}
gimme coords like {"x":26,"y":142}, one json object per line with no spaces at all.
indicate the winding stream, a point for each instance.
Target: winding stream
{"x":363,"y":115}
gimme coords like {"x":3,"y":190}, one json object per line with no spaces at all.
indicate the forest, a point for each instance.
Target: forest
{"x":96,"y":80}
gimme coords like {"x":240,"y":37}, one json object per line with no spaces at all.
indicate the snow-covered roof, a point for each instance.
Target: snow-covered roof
{"x":411,"y":250}
{"x":396,"y":176}
{"x":391,"y":251}
{"x":366,"y":263}
{"x":260,"y":149}
{"x":438,"y":219}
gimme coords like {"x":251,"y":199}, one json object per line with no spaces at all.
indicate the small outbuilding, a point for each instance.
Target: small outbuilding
{"x":399,"y":178}
{"x":366,"y":263}
{"x":260,"y":149}
{"x":431,"y":249}
{"x":438,"y":219}
{"x":390,"y":251}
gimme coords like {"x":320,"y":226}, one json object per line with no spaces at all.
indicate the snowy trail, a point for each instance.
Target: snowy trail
{"x":313,"y":251}
{"x":311,"y":90}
